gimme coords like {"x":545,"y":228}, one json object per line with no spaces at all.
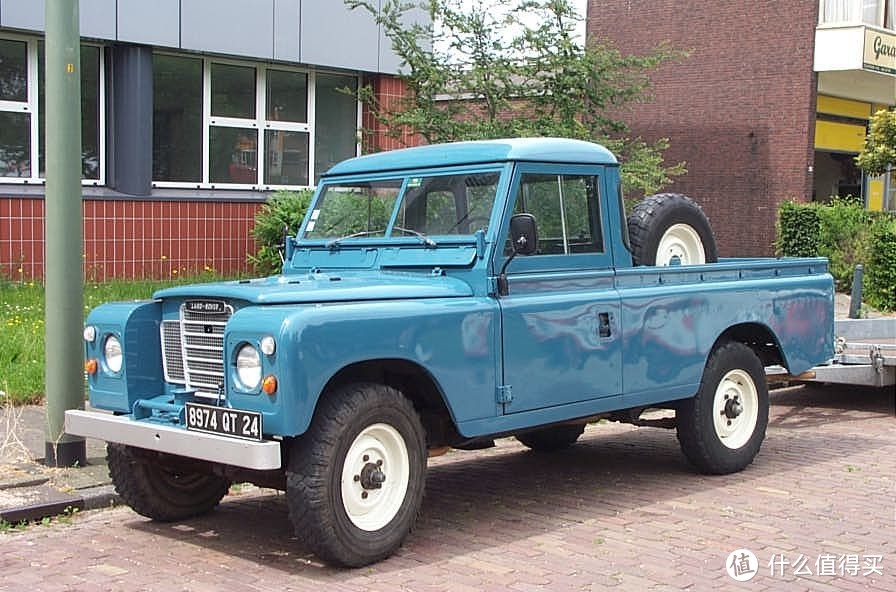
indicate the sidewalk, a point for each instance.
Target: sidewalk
{"x":28,"y":489}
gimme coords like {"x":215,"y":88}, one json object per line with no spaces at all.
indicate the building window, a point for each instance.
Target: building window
{"x":90,"y":112}
{"x":334,"y":107}
{"x":13,"y":70}
{"x":16,"y":110}
{"x":878,"y":13}
{"x":250,"y":125}
{"x":22,"y":108}
{"x":177,"y":119}
{"x":286,"y":139}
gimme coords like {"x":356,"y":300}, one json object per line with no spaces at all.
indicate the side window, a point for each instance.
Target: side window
{"x":566,"y":209}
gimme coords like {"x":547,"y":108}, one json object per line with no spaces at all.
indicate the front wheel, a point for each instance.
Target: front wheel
{"x":355,"y":479}
{"x":721,"y":429}
{"x":158,"y":489}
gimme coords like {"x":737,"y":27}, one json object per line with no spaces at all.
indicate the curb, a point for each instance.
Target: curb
{"x":49,"y":502}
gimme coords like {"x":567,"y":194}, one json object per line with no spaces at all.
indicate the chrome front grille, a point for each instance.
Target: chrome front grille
{"x":193,"y":348}
{"x":172,"y":352}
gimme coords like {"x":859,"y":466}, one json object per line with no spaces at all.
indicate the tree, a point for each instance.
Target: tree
{"x":880,"y":144}
{"x":496,"y":74}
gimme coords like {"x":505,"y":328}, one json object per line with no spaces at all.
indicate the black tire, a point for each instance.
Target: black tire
{"x":314,"y":475}
{"x":654,"y":216}
{"x":156,"y":491}
{"x":712,"y":440}
{"x":552,"y":438}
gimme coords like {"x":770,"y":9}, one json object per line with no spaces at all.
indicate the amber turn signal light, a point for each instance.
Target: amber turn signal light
{"x":90,"y":366}
{"x":269,"y":384}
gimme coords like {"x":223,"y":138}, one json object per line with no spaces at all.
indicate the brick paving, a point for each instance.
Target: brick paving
{"x":621,"y":510}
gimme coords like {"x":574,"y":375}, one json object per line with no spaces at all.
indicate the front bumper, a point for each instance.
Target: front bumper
{"x":261,"y":456}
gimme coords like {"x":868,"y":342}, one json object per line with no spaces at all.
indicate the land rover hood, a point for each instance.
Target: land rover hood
{"x":326,"y":287}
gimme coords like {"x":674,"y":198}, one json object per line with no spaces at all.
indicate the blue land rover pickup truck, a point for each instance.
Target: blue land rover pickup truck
{"x":438,"y":297}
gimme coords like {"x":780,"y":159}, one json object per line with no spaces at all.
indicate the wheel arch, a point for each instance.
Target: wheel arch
{"x":758,"y":337}
{"x":412,"y":380}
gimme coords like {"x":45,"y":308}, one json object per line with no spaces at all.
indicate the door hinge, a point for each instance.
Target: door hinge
{"x":504,"y":394}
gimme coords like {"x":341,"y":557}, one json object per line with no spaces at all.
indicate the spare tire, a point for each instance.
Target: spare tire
{"x":668,"y":229}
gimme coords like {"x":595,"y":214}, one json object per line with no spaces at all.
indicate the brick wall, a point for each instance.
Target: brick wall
{"x":388,"y":92}
{"x":134,"y":239}
{"x":740,"y":110}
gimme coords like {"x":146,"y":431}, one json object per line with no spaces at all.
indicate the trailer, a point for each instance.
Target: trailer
{"x":864,"y":354}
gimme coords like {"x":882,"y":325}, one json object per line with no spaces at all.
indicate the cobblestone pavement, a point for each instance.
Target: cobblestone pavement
{"x":620,"y":510}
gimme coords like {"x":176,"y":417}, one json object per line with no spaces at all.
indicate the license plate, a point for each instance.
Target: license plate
{"x":224,"y":421}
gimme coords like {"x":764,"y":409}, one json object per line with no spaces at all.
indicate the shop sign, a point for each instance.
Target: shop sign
{"x":880,"y":51}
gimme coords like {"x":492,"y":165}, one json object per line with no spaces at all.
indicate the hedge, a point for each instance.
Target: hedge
{"x":847,"y":234}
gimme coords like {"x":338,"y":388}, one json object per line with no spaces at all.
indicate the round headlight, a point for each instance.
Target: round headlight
{"x":268,"y":345}
{"x":112,"y":354}
{"x":248,"y":366}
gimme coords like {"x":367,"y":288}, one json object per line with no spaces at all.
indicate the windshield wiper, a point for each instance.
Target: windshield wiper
{"x":423,"y":238}
{"x":337,"y":241}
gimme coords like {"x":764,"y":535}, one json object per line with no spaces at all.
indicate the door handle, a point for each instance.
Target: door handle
{"x":603,"y":324}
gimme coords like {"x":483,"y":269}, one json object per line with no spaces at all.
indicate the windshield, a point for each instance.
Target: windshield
{"x":358,"y":208}
{"x":452,"y":204}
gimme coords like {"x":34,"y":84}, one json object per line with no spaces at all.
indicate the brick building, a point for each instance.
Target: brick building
{"x":193,"y":112}
{"x":772,"y":103}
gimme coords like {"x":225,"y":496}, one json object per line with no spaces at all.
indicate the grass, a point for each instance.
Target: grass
{"x":22,"y":328}
{"x":67,"y":516}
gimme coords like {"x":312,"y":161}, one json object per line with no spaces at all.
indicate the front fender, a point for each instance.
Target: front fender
{"x":451,"y":339}
{"x":136,"y":325}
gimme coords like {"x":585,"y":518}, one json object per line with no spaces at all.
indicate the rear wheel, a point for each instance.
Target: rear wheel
{"x":551,"y":438}
{"x":722,"y":428}
{"x":670,"y":229}
{"x":355,"y":479}
{"x":159,"y":490}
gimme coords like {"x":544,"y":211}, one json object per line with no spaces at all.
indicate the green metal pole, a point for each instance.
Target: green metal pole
{"x":62,"y":219}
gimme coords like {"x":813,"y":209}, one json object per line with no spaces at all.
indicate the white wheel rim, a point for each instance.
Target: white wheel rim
{"x":378,"y":448}
{"x":680,"y":242}
{"x":735,"y":409}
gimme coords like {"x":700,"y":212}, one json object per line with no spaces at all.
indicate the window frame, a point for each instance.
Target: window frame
{"x":602,"y":259}
{"x":260,"y":124}
{"x":402,"y":240}
{"x":32,"y":107}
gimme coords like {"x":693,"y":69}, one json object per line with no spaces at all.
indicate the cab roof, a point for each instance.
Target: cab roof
{"x":556,"y":150}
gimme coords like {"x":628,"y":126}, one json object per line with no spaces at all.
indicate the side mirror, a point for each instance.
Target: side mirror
{"x":524,"y":234}
{"x":524,"y":238}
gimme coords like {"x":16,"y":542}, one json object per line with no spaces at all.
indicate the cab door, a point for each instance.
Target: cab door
{"x":560,"y":319}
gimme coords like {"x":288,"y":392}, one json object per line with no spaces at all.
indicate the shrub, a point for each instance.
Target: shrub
{"x":847,"y":234}
{"x":844,"y":238}
{"x":283,"y":208}
{"x":880,"y":277}
{"x":799,"y":230}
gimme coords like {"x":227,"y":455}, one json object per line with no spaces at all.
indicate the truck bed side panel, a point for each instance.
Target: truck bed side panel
{"x":672,"y":318}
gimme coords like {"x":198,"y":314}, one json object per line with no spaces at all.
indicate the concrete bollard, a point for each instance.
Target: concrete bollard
{"x":855,"y":299}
